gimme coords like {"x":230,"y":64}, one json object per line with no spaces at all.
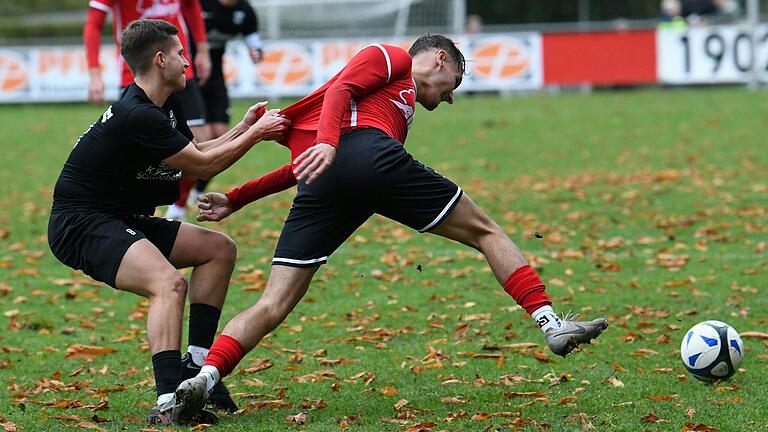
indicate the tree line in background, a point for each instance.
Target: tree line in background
{"x":541,"y":11}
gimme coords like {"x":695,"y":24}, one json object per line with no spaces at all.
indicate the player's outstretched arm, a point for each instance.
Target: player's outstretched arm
{"x":210,"y":162}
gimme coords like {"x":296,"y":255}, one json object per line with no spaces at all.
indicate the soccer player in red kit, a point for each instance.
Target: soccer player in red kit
{"x":349,"y":160}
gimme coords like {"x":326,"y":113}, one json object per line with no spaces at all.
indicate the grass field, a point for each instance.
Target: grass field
{"x":653,"y":210}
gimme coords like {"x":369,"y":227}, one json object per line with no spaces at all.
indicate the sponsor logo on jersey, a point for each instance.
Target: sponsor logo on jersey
{"x":160,"y":172}
{"x":173,"y":119}
{"x":405,"y":106}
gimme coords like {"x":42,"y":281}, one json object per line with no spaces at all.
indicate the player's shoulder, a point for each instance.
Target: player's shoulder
{"x":392,"y":53}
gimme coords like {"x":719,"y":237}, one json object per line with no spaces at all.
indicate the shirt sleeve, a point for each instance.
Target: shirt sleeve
{"x":94,"y":24}
{"x":193,"y":15}
{"x":369,"y":70}
{"x":250,"y":23}
{"x":153,"y":134}
{"x":268,"y":184}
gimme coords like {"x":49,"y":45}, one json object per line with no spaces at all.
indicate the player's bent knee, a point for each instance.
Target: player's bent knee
{"x":172,"y":285}
{"x":224,"y":248}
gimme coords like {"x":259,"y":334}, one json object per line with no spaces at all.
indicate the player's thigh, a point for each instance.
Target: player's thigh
{"x":465,"y":223}
{"x":318,"y":223}
{"x":195,"y":245}
{"x":144,"y":270}
{"x":416,"y":195}
{"x":91,"y":242}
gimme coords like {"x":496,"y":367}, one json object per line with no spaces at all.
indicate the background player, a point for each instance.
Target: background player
{"x":224,"y":20}
{"x":362,"y":116}
{"x":127,"y":163}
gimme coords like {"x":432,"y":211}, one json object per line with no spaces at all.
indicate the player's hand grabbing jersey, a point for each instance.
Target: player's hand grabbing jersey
{"x":116,"y":166}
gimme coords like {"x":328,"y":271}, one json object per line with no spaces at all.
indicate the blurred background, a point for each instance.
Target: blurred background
{"x":513,"y":45}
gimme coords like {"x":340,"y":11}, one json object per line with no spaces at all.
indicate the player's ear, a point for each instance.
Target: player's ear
{"x":160,"y":59}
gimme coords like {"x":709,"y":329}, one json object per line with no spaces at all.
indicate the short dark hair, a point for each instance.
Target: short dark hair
{"x":142,"y":39}
{"x":435,"y":41}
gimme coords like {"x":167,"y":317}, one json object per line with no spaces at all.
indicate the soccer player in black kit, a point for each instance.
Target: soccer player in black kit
{"x":224,"y":21}
{"x":130,"y":161}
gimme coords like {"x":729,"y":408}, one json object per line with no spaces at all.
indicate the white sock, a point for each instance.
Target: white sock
{"x":546,"y":318}
{"x":163,"y":398}
{"x":198,"y":354}
{"x":211,"y":375}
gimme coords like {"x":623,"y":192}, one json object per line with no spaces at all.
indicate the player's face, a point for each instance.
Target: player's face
{"x":175,"y":64}
{"x":442,"y":81}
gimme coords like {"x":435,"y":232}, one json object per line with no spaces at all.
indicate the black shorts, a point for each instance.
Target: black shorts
{"x":216,"y":101}
{"x":192,"y":101}
{"x":372,"y":173}
{"x":96,"y":243}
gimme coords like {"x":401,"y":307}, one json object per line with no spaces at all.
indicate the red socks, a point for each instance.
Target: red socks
{"x":225,"y":354}
{"x":525,"y":286}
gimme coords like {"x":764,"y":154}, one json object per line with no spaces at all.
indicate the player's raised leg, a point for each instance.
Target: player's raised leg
{"x":470,"y":225}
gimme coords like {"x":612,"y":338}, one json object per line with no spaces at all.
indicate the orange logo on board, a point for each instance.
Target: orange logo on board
{"x":500,"y":58}
{"x":13,"y":72}
{"x":285,"y":64}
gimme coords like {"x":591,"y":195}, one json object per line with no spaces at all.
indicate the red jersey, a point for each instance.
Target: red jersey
{"x":186,"y":15}
{"x":375,"y":89}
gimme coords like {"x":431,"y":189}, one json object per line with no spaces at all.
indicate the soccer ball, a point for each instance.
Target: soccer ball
{"x":712,"y":350}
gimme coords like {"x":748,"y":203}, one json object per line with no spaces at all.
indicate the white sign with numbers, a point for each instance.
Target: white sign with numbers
{"x":716,"y":54}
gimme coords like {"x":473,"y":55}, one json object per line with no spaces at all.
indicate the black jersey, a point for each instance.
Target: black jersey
{"x":224,"y":23}
{"x":116,"y":166}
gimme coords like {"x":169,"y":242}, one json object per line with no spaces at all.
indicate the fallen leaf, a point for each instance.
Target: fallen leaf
{"x":86,"y":351}
{"x":299,"y":418}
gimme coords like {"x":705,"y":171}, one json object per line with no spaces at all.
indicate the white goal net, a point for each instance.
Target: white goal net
{"x":312,"y":19}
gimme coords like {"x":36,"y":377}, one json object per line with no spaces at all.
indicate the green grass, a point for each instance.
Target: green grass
{"x":611,"y":180}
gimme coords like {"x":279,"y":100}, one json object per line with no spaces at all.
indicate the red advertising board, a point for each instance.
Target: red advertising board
{"x":600,"y":58}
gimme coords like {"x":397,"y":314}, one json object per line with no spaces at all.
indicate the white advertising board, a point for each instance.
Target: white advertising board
{"x":708,"y":55}
{"x":293,"y":68}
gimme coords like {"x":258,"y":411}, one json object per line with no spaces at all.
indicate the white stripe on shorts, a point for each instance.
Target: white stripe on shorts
{"x":277,"y":260}
{"x":440,"y":217}
{"x":196,"y":122}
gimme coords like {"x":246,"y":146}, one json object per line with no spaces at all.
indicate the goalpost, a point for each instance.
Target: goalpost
{"x":312,"y":19}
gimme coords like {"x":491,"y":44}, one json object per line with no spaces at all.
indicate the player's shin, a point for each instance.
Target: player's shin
{"x":525,"y":286}
{"x":224,"y":355}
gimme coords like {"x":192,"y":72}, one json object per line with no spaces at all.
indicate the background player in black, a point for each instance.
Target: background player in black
{"x":224,"y":20}
{"x":129,"y":161}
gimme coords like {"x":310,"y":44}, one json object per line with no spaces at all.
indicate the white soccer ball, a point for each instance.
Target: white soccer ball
{"x":712,"y":350}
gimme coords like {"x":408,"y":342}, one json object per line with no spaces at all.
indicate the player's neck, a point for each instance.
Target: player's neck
{"x":154,"y":89}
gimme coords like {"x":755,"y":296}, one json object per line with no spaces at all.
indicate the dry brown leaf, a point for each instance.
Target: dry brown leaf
{"x":299,"y":418}
{"x":92,"y":426}
{"x":691,"y":427}
{"x":389,"y":391}
{"x":650,"y":418}
{"x":453,"y":400}
{"x":754,"y":335}
{"x":86,"y":351}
